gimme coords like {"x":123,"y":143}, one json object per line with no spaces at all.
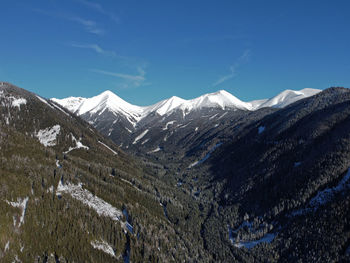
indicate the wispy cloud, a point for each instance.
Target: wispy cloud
{"x":244,"y":58}
{"x":121,"y":75}
{"x":98,"y":8}
{"x":129,"y":80}
{"x":89,"y":26}
{"x":226,"y":77}
{"x":95,"y":48}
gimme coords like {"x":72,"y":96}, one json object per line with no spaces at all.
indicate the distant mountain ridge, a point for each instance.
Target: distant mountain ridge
{"x":172,"y":121}
{"x":209,"y":185}
{"x":220,"y":99}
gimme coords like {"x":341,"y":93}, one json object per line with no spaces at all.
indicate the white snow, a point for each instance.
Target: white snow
{"x":104,"y":246}
{"x":212,"y":117}
{"x":22,"y":204}
{"x":183,"y":126}
{"x":114,"y":152}
{"x":47,"y":137}
{"x":17,"y":259}
{"x":167,"y":124}
{"x":50,"y":190}
{"x":130,"y":131}
{"x":71,"y":103}
{"x":7,"y":246}
{"x":261,"y":129}
{"x":220,"y":99}
{"x":167,"y":136}
{"x":145,"y":141}
{"x":155,"y":150}
{"x":324,"y":196}
{"x":106,"y":100}
{"x":87,"y":198}
{"x":17,"y":102}
{"x":13,"y":101}
{"x":78,"y":145}
{"x":268,"y":238}
{"x":284,"y":98}
{"x":140,"y":136}
{"x":164,"y":107}
{"x":44,"y":101}
{"x":57,"y":107}
{"x":206,"y":156}
{"x":222,"y":116}
{"x":58,"y":164}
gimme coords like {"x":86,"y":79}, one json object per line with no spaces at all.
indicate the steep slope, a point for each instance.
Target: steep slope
{"x":284,"y":98}
{"x":282,"y":184}
{"x":68,"y":194}
{"x":271,"y":185}
{"x":174,"y":117}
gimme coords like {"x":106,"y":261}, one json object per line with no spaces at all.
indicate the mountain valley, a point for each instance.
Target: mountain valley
{"x":212,"y":179}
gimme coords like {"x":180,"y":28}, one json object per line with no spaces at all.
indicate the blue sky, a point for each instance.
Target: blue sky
{"x":146,"y":51}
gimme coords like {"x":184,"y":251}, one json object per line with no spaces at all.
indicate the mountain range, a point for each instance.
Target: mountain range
{"x":148,"y":129}
{"x":212,"y":179}
{"x":220,"y":99}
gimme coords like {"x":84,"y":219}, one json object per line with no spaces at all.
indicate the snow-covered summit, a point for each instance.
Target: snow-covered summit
{"x":165,"y":106}
{"x":220,"y":99}
{"x":284,"y":98}
{"x":107,"y":100}
{"x":70,"y":103}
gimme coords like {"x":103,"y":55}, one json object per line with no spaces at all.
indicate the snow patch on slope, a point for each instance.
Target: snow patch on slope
{"x":12,"y":101}
{"x":78,"y":145}
{"x":205,"y":157}
{"x":140,"y":136}
{"x":236,"y":238}
{"x":44,"y":101}
{"x":268,"y":238}
{"x":48,"y":136}
{"x":58,"y":107}
{"x":103,"y":246}
{"x":22,"y":204}
{"x":167,"y":124}
{"x":114,"y":152}
{"x":101,"y":207}
{"x":325,"y":196}
{"x":7,"y":246}
{"x":155,"y":150}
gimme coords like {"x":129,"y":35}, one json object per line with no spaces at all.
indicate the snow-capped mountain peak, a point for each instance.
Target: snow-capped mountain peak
{"x":221,"y":99}
{"x":70,"y":103}
{"x":165,"y":106}
{"x":284,"y":98}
